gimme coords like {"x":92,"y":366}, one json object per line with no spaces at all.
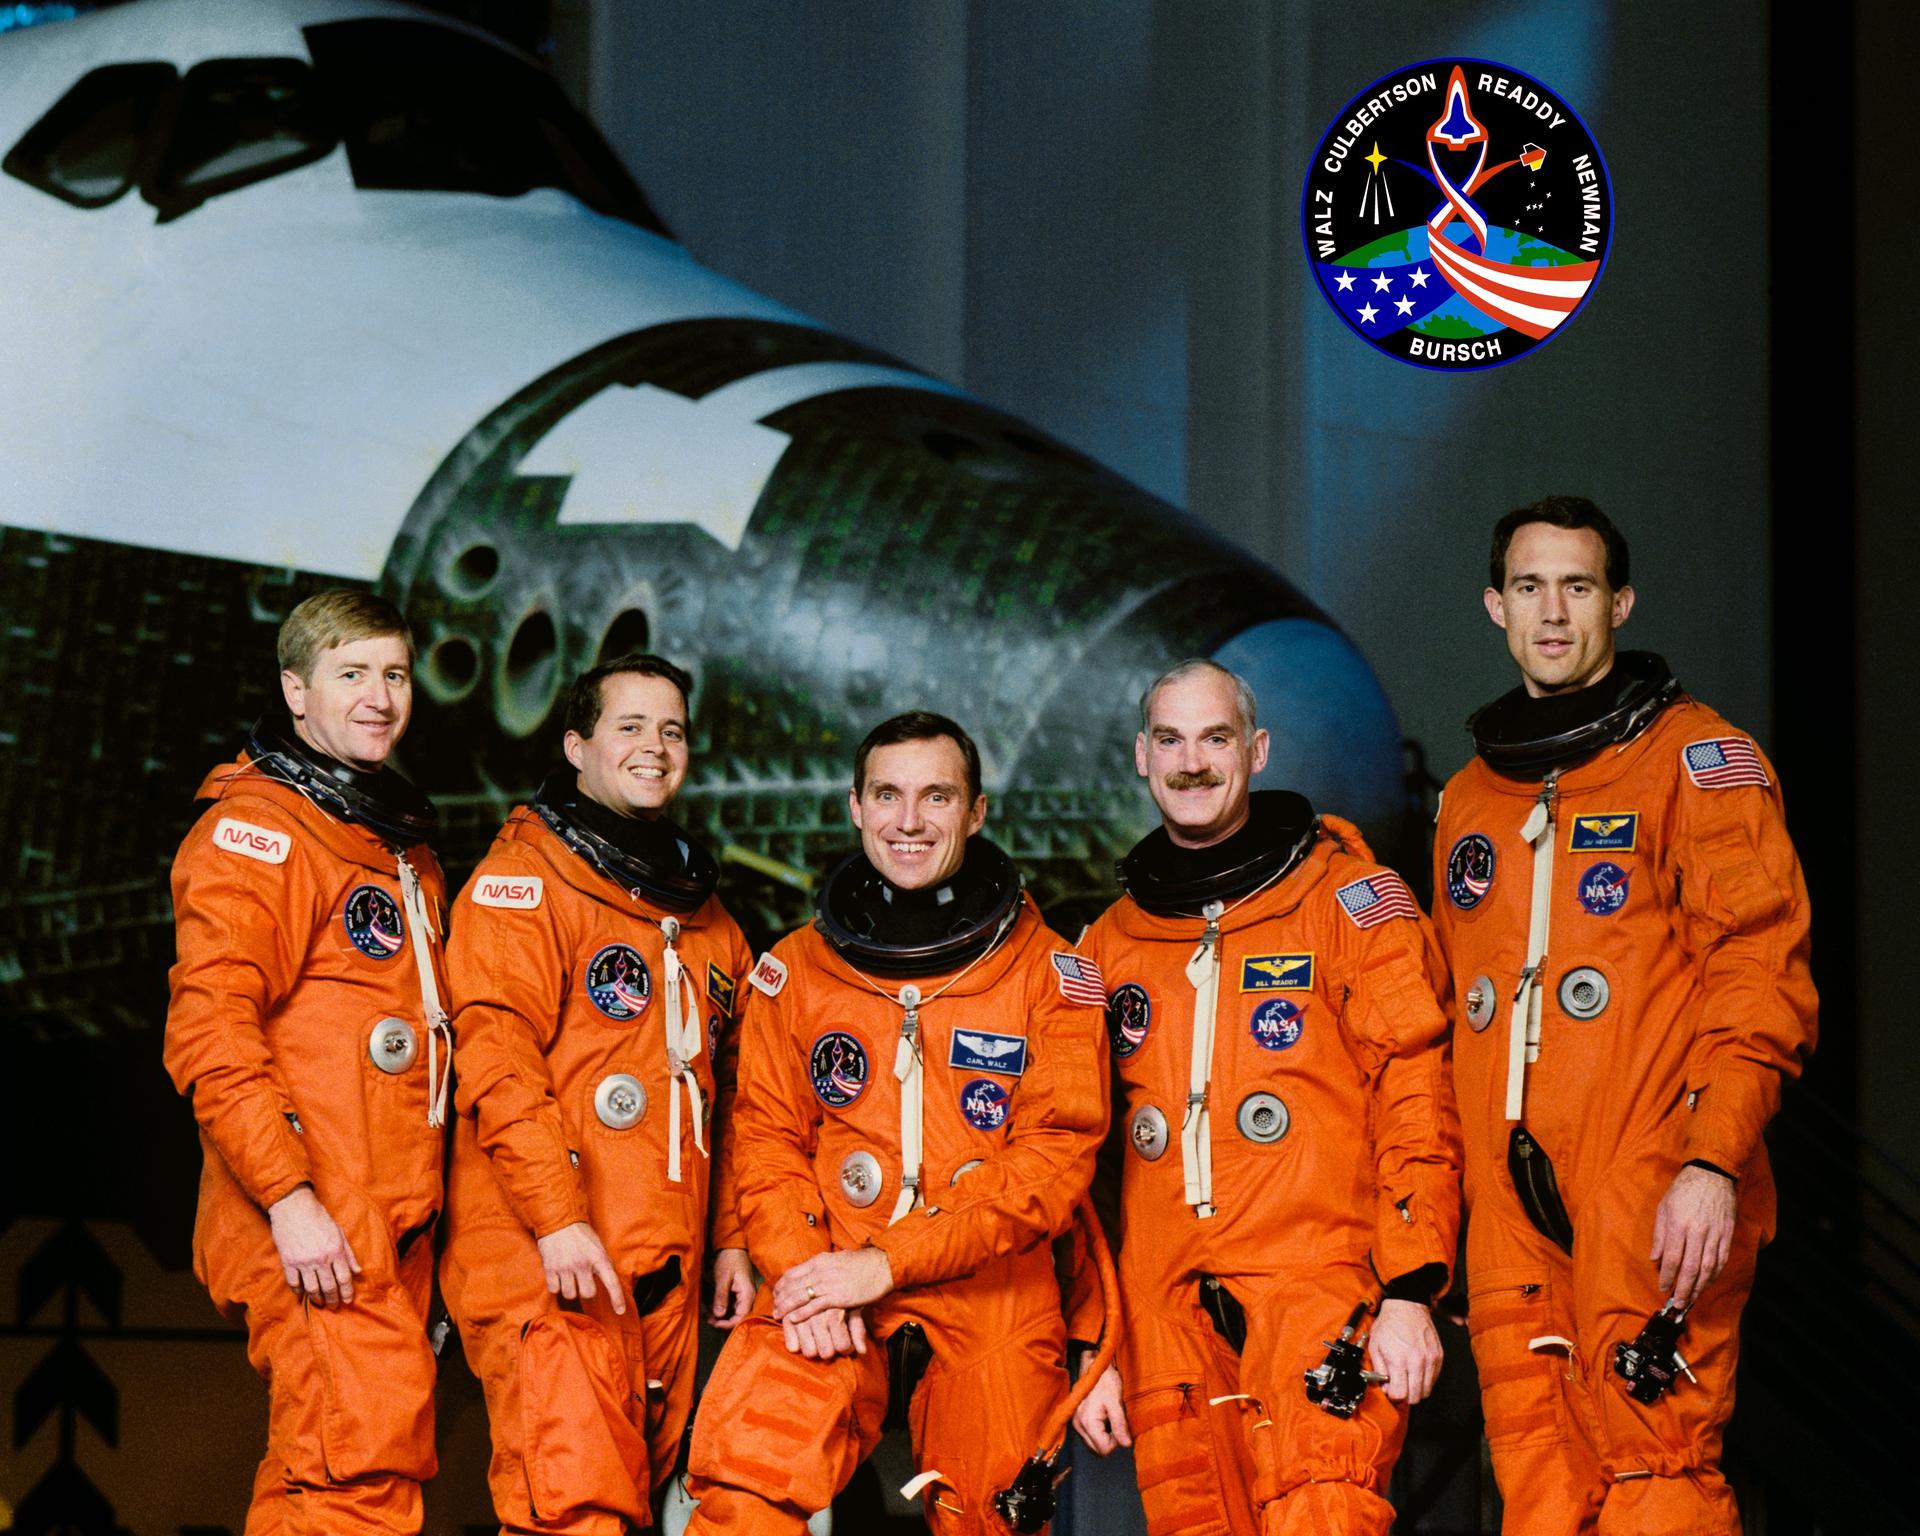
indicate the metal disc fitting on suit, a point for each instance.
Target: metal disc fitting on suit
{"x":1263,"y":1117}
{"x":1584,"y":993}
{"x":1480,"y":1003}
{"x":964,"y":1169}
{"x":860,"y":1178}
{"x":393,"y":1045}
{"x":620,"y":1101}
{"x":1147,"y":1130}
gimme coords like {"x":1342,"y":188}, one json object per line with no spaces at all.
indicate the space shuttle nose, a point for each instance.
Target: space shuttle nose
{"x":1334,"y":737}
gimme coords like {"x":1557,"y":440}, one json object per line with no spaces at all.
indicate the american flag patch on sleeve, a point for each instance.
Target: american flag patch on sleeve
{"x":1721,"y":762}
{"x":1376,"y":898}
{"x":1080,"y":980}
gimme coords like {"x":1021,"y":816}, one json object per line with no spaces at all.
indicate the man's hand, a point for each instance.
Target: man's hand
{"x":573,"y":1257}
{"x":732,"y":1287}
{"x":315,"y":1255}
{"x":849,"y":1279}
{"x":828,"y":1334}
{"x":1101,"y":1417}
{"x":1693,"y":1232}
{"x":1405,"y":1348}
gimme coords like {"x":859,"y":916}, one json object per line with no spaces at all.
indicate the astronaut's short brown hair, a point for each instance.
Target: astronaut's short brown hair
{"x":333,"y":618}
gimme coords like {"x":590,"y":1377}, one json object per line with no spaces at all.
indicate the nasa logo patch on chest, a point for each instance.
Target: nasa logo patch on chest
{"x":1276,"y":1024}
{"x":838,"y":1066}
{"x":374,"y":923}
{"x":1129,"y":1016}
{"x":1603,"y":889}
{"x":985,"y":1103}
{"x":618,"y":982}
{"x":1470,"y":870}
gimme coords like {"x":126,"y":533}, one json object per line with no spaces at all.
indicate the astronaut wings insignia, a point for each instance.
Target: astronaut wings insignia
{"x":976,"y":1050}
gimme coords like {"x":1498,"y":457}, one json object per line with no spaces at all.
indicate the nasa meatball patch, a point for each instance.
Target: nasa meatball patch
{"x":1470,"y":870}
{"x":1129,"y":1016}
{"x":838,"y":1066}
{"x":373,"y":922}
{"x":1276,"y":1024}
{"x":1603,"y":889}
{"x":985,"y":1103}
{"x":619,"y":983}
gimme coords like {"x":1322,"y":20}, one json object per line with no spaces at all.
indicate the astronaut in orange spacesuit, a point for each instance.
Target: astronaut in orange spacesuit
{"x":1626,"y":926}
{"x":921,"y":1098}
{"x":1290,"y":1147}
{"x":594,"y":978}
{"x":305,"y":1023}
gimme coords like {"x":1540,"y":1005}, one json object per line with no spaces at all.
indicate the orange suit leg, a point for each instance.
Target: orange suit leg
{"x":1192,"y":1461}
{"x":350,"y":1394}
{"x":1521,"y":1290}
{"x":564,"y":1390}
{"x":779,"y":1435}
{"x":1662,"y":1459}
{"x":999,"y":1346}
{"x":1317,"y":1474}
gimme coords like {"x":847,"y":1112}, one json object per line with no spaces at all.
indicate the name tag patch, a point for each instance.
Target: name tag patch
{"x":1276,"y":973}
{"x":251,"y":842}
{"x":720,"y":989}
{"x":1607,"y":832}
{"x":515,"y":893}
{"x":975,"y":1050}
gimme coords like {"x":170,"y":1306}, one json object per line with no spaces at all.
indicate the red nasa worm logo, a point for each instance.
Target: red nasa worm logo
{"x":1457,"y":214}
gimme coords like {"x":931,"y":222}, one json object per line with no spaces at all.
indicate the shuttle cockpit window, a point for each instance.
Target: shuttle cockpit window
{"x":420,"y":107}
{"x":89,"y":148}
{"x":426,"y":108}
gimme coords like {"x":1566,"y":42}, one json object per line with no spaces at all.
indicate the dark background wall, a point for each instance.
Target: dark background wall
{"x":1089,"y":212}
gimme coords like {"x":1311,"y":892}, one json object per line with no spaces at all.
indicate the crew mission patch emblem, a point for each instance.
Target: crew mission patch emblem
{"x":373,"y":922}
{"x":618,"y":982}
{"x":838,"y":1066}
{"x":1457,"y":214}
{"x":1129,"y":1014}
{"x":1470,"y":870}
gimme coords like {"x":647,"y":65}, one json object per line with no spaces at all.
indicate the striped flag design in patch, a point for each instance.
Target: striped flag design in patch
{"x":1376,"y":899}
{"x":1721,"y":762}
{"x":1080,"y":980}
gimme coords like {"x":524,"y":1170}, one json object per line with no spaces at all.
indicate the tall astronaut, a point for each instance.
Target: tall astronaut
{"x":921,"y":1098}
{"x":306,"y":1025}
{"x":1626,"y":926}
{"x":1290,"y":1145}
{"x":595,"y":985}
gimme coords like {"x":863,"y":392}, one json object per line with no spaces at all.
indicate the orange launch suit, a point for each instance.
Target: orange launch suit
{"x":1679,"y":886}
{"x":1010,"y":1136}
{"x":559,"y":983}
{"x":294,"y":953}
{"x":1333,"y":1011}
